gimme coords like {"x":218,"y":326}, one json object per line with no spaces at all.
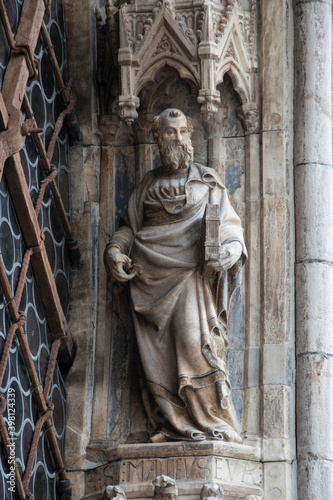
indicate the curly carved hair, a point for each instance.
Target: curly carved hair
{"x":173,"y":113}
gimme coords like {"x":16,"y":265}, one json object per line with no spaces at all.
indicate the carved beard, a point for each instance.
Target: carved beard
{"x":176,"y":155}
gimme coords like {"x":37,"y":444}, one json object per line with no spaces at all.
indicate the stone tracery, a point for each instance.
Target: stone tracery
{"x":201,"y":40}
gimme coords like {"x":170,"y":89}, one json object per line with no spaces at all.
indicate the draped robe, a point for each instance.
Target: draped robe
{"x":179,"y":328}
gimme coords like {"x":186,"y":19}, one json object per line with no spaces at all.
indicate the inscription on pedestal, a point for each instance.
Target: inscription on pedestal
{"x":237,"y":471}
{"x":145,"y":470}
{"x":180,"y":469}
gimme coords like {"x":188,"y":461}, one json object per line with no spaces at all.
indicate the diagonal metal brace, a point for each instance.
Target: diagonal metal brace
{"x":32,"y":63}
{"x":11,"y":140}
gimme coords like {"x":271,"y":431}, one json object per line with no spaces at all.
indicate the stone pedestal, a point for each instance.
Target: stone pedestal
{"x":134,"y":466}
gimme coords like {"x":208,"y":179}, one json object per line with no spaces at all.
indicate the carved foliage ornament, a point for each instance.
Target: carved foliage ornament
{"x":202,"y":40}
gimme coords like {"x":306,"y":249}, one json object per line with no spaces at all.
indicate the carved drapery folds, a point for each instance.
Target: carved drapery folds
{"x":201,"y":39}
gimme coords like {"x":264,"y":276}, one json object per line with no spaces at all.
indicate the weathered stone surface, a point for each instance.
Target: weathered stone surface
{"x":315,"y":376}
{"x":231,"y":492}
{"x":278,"y":423}
{"x":216,"y":154}
{"x":314,"y":212}
{"x":315,"y":477}
{"x":313,"y":82}
{"x":236,"y":326}
{"x":276,"y":290}
{"x":278,"y":364}
{"x":252,"y":274}
{"x":276,"y":411}
{"x":176,"y":448}
{"x":76,"y":449}
{"x":236,"y":367}
{"x":275,"y":271}
{"x":275,"y":73}
{"x":78,"y":482}
{"x":252,"y":366}
{"x":103,"y":337}
{"x":234,"y":148}
{"x":251,"y":419}
{"x":81,"y":54}
{"x":278,"y":450}
{"x":314,"y":318}
{"x":278,"y":481}
{"x":275,"y":178}
{"x":83,"y":313}
{"x":85,"y":176}
{"x":252,"y":165}
{"x":143,"y":159}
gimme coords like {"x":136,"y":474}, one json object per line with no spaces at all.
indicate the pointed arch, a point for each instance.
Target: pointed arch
{"x":238,"y":80}
{"x":149,"y":71}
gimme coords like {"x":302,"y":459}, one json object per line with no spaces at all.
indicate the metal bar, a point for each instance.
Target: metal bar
{"x":20,"y":492}
{"x":32,"y":236}
{"x":45,"y":182}
{"x":56,"y":452}
{"x":72,"y":121}
{"x":50,"y":50}
{"x":46,"y":161}
{"x":8,"y":294}
{"x":28,"y":33}
{"x":61,"y":211}
{"x":17,"y":71}
{"x":3,"y":114}
{"x":8,"y":344}
{"x":33,"y":449}
{"x":37,"y":138}
{"x":23,"y":276}
{"x":37,"y":390}
{"x":58,"y":126}
{"x":51,"y":366}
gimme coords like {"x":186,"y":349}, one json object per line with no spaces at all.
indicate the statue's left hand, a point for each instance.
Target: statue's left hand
{"x":229,"y":255}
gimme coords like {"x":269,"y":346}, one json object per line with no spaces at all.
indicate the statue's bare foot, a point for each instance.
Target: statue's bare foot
{"x":233,"y":436}
{"x":158,"y":438}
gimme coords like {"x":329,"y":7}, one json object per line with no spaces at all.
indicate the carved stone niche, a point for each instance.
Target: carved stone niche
{"x":201,"y":39}
{"x":130,"y":461}
{"x":201,"y":58}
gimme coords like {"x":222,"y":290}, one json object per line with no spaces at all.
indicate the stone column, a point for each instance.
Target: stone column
{"x":314,"y":247}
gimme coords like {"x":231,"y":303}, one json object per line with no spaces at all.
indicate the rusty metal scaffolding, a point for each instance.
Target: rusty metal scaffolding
{"x":14,"y":128}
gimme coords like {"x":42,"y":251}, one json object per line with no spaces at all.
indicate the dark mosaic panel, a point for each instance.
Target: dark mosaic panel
{"x":46,"y":104}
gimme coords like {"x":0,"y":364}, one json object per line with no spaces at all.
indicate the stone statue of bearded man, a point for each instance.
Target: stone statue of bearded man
{"x":179,"y":297}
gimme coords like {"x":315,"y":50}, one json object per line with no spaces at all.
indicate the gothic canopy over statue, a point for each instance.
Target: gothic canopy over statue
{"x":201,"y":40}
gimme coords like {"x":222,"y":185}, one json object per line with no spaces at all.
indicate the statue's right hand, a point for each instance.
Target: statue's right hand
{"x":117,"y":263}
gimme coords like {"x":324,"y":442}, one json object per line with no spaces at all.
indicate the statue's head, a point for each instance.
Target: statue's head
{"x":211,"y":491}
{"x":172,"y":130}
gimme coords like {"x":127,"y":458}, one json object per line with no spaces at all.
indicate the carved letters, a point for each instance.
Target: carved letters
{"x":181,"y":469}
{"x":145,"y":470}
